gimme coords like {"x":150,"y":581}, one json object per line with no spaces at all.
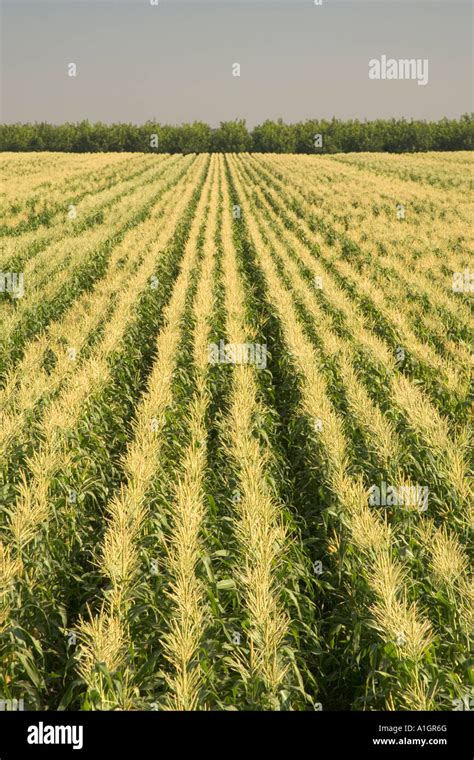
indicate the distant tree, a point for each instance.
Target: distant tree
{"x":195,"y":137}
{"x":231,"y":137}
{"x":273,"y":137}
{"x":311,"y":136}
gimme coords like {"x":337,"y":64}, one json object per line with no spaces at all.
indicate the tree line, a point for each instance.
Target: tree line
{"x":311,"y":136}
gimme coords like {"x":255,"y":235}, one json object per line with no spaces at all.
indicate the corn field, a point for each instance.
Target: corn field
{"x":234,"y":440}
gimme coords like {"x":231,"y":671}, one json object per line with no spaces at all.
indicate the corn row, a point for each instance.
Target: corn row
{"x":32,"y":507}
{"x":119,"y":556}
{"x":44,"y":283}
{"x":398,"y":621}
{"x":439,"y":291}
{"x":258,"y":526}
{"x":449,"y":452}
{"x":189,"y":614}
{"x":28,"y":382}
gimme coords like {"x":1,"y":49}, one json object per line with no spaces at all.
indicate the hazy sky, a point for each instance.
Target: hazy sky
{"x":174,"y":62}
